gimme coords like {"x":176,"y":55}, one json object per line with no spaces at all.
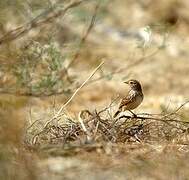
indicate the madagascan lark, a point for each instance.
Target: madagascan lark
{"x":133,"y":99}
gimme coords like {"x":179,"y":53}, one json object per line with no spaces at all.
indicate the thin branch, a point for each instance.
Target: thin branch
{"x":44,"y":18}
{"x":83,"y":39}
{"x":176,"y":110}
{"x":30,"y":126}
{"x":180,"y":107}
{"x":77,"y":90}
{"x":152,"y":118}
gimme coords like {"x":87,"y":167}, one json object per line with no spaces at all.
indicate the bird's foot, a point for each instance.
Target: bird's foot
{"x":134,"y":115}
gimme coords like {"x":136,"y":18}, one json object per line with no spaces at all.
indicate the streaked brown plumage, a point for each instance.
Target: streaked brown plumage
{"x":133,"y":99}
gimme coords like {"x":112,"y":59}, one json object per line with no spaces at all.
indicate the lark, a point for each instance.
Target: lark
{"x":133,"y":99}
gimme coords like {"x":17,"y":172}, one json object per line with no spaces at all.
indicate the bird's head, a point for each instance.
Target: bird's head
{"x":134,"y":84}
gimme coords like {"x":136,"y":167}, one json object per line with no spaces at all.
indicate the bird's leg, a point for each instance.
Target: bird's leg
{"x":134,"y":115}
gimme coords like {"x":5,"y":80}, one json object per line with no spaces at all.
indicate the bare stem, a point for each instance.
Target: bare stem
{"x":77,"y":90}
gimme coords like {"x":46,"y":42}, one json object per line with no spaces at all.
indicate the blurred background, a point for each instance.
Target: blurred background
{"x":48,"y":48}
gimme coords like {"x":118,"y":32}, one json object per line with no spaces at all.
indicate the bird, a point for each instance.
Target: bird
{"x":133,"y":99}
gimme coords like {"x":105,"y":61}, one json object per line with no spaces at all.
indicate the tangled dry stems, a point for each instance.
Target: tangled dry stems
{"x":92,"y":129}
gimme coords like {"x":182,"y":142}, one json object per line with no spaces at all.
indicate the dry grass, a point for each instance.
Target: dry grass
{"x":98,"y":128}
{"x":95,"y":145}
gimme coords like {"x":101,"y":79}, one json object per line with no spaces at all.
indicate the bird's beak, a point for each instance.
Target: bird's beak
{"x":126,"y":82}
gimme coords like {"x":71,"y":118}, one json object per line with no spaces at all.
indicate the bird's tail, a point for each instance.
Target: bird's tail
{"x":115,"y":115}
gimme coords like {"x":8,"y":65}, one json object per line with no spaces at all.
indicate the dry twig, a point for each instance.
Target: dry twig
{"x":83,"y":39}
{"x":44,"y":18}
{"x":70,"y":99}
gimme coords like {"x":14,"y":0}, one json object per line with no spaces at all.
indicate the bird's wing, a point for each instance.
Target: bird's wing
{"x":128,"y":99}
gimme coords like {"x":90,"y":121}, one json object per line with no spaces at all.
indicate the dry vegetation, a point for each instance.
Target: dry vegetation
{"x":61,"y":73}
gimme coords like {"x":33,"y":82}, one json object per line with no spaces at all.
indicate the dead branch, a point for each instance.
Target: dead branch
{"x":153,"y":118}
{"x":77,"y":90}
{"x":83,"y":39}
{"x":44,"y":18}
